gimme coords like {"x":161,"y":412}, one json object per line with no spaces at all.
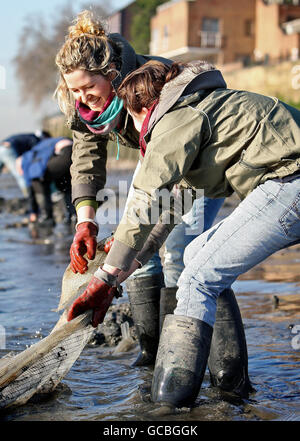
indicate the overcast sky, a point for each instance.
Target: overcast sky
{"x":16,"y":116}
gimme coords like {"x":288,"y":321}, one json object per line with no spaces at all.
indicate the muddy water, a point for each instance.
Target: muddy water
{"x":101,"y":386}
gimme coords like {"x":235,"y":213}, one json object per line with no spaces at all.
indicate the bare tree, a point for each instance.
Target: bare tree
{"x":40,"y":39}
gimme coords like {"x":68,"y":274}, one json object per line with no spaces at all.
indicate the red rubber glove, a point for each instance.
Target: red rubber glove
{"x":97,"y":296}
{"x":85,"y":241}
{"x":108,"y":244}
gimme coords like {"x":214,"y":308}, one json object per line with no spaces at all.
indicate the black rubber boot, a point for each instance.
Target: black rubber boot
{"x":181,"y":360}
{"x":44,"y":202}
{"x":167,"y":305}
{"x":228,"y":358}
{"x":70,"y":209}
{"x":144,"y":296}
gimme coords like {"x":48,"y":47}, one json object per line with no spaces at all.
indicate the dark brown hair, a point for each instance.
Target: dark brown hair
{"x":142,"y":87}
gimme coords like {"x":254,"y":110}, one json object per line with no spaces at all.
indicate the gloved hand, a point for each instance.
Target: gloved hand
{"x":84,"y":242}
{"x":108,"y":244}
{"x":97,"y":296}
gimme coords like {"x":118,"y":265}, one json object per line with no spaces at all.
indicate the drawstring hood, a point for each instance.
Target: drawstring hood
{"x":118,"y":144}
{"x":196,"y":77}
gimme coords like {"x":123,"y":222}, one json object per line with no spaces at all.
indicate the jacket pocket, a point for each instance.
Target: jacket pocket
{"x":244,"y":177}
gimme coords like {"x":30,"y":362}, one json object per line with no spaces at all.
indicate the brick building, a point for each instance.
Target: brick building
{"x":120,"y":21}
{"x":243,"y":30}
{"x":277,"y":30}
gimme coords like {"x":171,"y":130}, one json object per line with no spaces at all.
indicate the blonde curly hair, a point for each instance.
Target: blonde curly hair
{"x":89,"y":48}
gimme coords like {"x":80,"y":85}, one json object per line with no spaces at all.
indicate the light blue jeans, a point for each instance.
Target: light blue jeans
{"x":267,"y":220}
{"x":198,"y":219}
{"x":8,"y":158}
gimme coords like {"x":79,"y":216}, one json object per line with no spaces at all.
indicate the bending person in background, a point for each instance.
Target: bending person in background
{"x":227,"y":140}
{"x":47,"y":164}
{"x":13,"y":147}
{"x":92,"y":65}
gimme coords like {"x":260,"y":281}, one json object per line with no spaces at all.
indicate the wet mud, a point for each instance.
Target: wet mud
{"x":102,"y":385}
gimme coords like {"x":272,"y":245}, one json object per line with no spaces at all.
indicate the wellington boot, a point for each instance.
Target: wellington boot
{"x":70,"y":209}
{"x":167,"y":305}
{"x":144,"y":295}
{"x":45,"y":217}
{"x":228,"y":358}
{"x":181,"y":361}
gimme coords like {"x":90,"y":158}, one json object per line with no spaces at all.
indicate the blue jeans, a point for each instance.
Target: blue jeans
{"x":198,"y":219}
{"x":8,"y":158}
{"x":267,"y":220}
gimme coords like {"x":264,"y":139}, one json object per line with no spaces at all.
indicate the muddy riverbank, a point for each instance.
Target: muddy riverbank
{"x":102,"y":385}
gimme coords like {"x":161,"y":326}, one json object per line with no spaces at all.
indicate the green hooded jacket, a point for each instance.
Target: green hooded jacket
{"x":206,"y":137}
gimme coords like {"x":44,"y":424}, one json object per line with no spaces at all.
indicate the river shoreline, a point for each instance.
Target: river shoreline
{"x":102,"y":385}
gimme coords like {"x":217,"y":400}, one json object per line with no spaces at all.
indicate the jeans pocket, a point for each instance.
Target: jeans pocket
{"x":290,"y":219}
{"x":272,"y":188}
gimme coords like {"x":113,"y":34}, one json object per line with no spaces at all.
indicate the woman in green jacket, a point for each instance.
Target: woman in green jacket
{"x":92,"y":64}
{"x":219,"y":140}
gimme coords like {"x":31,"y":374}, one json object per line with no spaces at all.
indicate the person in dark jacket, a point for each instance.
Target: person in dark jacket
{"x":13,"y":147}
{"x":92,"y":65}
{"x":227,"y":140}
{"x":48,"y":163}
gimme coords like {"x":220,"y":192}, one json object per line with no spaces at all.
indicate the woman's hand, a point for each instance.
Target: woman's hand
{"x":19,"y":165}
{"x":98,"y":296}
{"x":62,"y":144}
{"x":85,"y":241}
